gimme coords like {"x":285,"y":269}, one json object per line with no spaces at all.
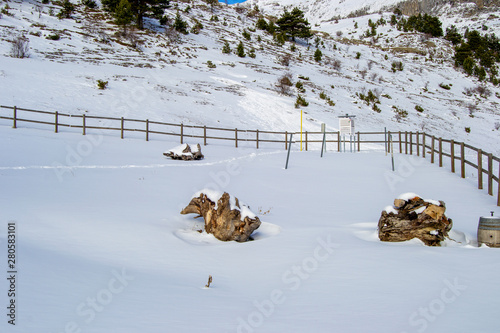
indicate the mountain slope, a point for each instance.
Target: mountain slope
{"x":161,"y":75}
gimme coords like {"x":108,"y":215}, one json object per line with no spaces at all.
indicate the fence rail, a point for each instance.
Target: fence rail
{"x":460,"y":154}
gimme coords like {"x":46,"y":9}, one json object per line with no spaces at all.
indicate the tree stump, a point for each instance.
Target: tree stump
{"x":184,"y":152}
{"x":414,"y":218}
{"x":226,"y":218}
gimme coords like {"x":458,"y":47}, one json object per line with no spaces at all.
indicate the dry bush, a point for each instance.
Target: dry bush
{"x":20,"y":47}
{"x":284,"y":84}
{"x":284,"y":59}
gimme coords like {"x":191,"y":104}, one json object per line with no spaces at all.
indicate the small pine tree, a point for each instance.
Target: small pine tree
{"x":262,"y":24}
{"x":123,"y":14}
{"x":246,"y":35}
{"x":280,"y":38}
{"x":317,"y":55}
{"x":67,"y":10}
{"x":469,"y":65}
{"x":180,"y":25}
{"x":240,"y":50}
{"x":226,"y":49}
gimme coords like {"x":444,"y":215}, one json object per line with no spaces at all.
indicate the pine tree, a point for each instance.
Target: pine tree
{"x":293,"y":24}
{"x":240,"y":50}
{"x":180,"y":25}
{"x":123,"y":14}
{"x":317,"y":55}
{"x":140,"y":9}
{"x":226,"y":49}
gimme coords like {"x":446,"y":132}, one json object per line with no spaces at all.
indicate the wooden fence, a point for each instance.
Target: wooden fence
{"x":459,"y":154}
{"x":147,"y":128}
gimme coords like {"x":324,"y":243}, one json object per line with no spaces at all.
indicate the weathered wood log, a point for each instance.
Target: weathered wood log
{"x":414,"y":218}
{"x":226,"y":219}
{"x":184,"y":152}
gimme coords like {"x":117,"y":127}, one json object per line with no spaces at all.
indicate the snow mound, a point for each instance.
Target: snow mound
{"x":196,"y":235}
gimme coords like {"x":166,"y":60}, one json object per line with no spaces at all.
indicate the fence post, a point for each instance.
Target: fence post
{"x":147,"y":129}
{"x":462,"y":159}
{"x":388,"y":149}
{"x":406,"y":142}
{"x":306,"y":140}
{"x":452,"y":153}
{"x":182,"y":133}
{"x":56,"y":121}
{"x":122,"y":127}
{"x":400,"y":143}
{"x":411,"y":143}
{"x":432,"y":148}
{"x":490,"y":174}
{"x":338,"y":141}
{"x":498,"y":182}
{"x":286,"y":138}
{"x":440,"y":152}
{"x":14,"y":125}
{"x":359,"y":140}
{"x":84,"y":124}
{"x":236,"y":137}
{"x":205,"y":135}
{"x":423,"y":144}
{"x":418,"y":143}
{"x":257,"y":138}
{"x":480,"y":169}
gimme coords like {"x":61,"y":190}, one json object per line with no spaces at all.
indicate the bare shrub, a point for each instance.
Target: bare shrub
{"x":339,"y":33}
{"x":468,"y":91}
{"x":20,"y":47}
{"x":172,"y":35}
{"x":483,"y":91}
{"x":472,"y":109}
{"x":284,"y":59}
{"x":497,"y":125}
{"x":363,"y":73}
{"x":336,"y":64}
{"x":284,"y":84}
{"x":373,"y":77}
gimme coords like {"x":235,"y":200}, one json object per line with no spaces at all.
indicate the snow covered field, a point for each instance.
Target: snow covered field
{"x":101,"y":246}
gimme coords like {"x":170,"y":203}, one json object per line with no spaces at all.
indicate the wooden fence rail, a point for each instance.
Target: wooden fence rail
{"x":410,"y":143}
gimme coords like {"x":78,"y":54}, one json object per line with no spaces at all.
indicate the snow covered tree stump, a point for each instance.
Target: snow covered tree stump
{"x":225,"y":217}
{"x":413,"y":217}
{"x":184,"y":152}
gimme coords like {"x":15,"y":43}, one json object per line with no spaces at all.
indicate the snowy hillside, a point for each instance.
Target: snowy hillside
{"x":167,"y":77}
{"x":100,"y":242}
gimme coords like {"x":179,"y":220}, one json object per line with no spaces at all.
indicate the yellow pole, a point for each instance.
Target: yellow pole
{"x":300,"y":130}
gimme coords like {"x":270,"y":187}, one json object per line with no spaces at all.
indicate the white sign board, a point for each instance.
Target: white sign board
{"x":346,"y":126}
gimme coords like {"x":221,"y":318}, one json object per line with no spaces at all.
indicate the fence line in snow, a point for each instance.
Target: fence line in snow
{"x":412,"y":143}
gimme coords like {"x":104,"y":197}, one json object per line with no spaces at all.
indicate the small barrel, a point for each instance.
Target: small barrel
{"x":488,"y":231}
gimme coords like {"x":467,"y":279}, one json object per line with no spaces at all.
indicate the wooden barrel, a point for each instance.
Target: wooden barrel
{"x":488,"y":231}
